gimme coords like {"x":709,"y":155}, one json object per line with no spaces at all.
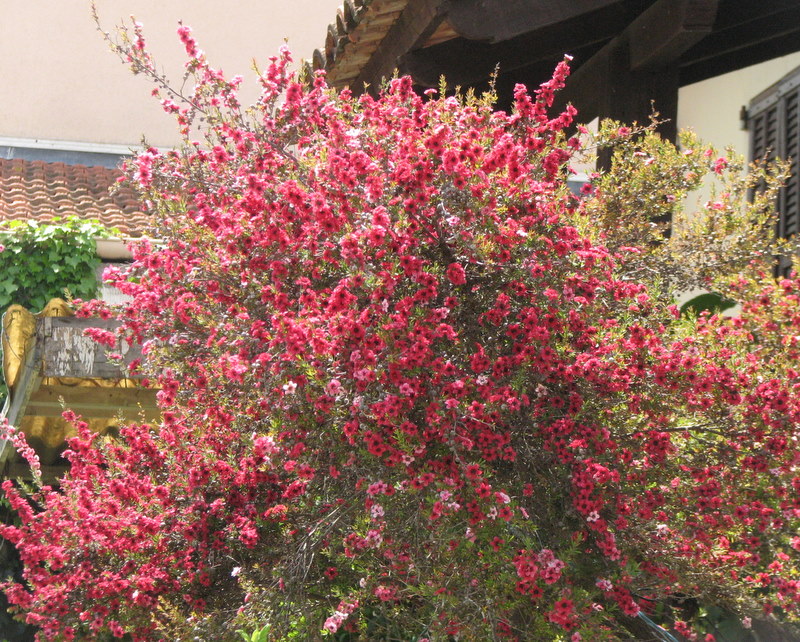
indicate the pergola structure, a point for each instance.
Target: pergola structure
{"x":629,"y":56}
{"x":49,"y":366}
{"x":48,"y":363}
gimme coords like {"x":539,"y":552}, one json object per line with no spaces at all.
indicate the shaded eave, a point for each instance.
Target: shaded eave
{"x":619,"y":42}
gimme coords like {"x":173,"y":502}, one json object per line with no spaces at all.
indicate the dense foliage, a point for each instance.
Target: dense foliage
{"x":414,"y":388}
{"x":39,"y":261}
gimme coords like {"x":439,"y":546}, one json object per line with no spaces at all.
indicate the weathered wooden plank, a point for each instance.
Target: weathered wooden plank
{"x":498,"y":20}
{"x":68,"y":352}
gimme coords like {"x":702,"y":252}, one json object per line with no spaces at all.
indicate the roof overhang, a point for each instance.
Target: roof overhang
{"x":633,"y":51}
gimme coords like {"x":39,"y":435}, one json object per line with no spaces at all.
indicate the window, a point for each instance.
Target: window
{"x":774,"y":123}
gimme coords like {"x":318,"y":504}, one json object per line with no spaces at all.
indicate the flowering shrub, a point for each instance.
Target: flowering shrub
{"x":409,"y":391}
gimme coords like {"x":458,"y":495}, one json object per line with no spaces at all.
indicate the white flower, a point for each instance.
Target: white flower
{"x":604,"y":585}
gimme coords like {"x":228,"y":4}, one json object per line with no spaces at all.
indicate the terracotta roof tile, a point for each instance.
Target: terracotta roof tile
{"x":39,"y":190}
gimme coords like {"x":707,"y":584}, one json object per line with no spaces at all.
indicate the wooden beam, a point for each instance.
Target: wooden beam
{"x":94,"y":402}
{"x":465,"y":62}
{"x":667,"y":29}
{"x":67,"y":352}
{"x":419,"y":19}
{"x":51,"y":474}
{"x":499,"y":20}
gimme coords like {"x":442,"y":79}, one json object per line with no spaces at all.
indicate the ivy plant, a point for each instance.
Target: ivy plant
{"x":41,"y":261}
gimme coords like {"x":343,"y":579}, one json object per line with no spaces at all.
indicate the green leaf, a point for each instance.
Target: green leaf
{"x":41,"y":260}
{"x":709,"y":301}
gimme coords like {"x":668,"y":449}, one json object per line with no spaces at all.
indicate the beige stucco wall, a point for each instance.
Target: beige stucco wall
{"x":58,"y":80}
{"x":711,"y":108}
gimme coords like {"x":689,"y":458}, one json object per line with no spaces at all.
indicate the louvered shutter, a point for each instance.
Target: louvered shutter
{"x":790,"y":206}
{"x":774,"y":123}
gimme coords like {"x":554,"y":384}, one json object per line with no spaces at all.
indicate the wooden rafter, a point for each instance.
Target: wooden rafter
{"x":498,"y":20}
{"x":94,"y":402}
{"x":419,"y":19}
{"x":465,"y":62}
{"x":666,"y":30}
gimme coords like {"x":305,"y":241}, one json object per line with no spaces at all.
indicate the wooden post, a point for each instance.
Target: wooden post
{"x":632,"y":96}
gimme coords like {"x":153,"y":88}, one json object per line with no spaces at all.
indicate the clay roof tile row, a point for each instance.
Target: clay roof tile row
{"x":41,"y":191}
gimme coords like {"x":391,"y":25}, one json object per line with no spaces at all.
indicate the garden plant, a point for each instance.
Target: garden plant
{"x":413,"y":387}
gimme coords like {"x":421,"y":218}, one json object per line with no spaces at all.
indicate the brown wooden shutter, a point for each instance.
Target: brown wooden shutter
{"x":774,"y":123}
{"x":790,"y":207}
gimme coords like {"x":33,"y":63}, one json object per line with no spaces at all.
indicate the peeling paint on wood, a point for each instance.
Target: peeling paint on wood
{"x":67,"y":352}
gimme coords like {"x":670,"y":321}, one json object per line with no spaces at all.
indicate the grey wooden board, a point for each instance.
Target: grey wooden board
{"x":68,"y":352}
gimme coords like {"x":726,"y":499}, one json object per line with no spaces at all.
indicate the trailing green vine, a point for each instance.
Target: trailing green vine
{"x":40,"y":261}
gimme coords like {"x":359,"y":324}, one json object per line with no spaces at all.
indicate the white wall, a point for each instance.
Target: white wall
{"x":711,"y":107}
{"x":59,"y":81}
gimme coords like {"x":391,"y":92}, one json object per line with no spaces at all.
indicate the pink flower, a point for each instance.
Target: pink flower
{"x":456,"y":274}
